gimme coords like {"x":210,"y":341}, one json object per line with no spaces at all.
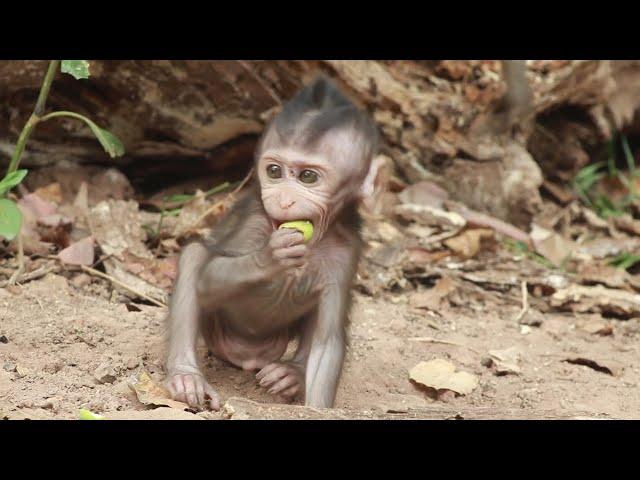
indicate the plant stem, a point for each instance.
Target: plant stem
{"x":35,"y":116}
{"x":46,"y":85}
{"x":62,"y":113}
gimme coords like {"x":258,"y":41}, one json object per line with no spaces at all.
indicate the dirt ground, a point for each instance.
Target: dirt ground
{"x":55,"y":337}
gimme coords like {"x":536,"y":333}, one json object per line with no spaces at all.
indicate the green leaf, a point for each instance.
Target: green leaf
{"x":10,"y":219}
{"x":78,"y":69}
{"x":178,"y":197}
{"x":11,"y":180}
{"x":111,"y":144}
{"x":84,"y":414}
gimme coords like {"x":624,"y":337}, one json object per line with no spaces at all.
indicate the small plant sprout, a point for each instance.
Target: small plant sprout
{"x":590,"y":175}
{"x":10,"y":215}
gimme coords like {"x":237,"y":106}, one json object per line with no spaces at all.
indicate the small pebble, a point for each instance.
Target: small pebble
{"x":4,"y":339}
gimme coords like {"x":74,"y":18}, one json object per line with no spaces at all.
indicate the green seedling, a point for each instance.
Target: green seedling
{"x":594,"y":173}
{"x":10,"y":215}
{"x":521,"y":248}
{"x":625,"y":261}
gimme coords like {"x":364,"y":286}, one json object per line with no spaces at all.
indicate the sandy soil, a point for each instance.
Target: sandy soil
{"x":57,"y":340}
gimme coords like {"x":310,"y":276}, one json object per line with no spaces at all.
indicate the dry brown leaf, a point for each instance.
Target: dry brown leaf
{"x":79,"y":253}
{"x":440,"y":374}
{"x":51,"y":193}
{"x":468,"y":243}
{"x":506,"y":361}
{"x":434,"y":298}
{"x":386,"y":255}
{"x":159,"y":272}
{"x":597,"y":299}
{"x":422,"y":256}
{"x":54,"y":229}
{"x":23,"y":371}
{"x":116,"y":227}
{"x":150,"y":393}
{"x":35,"y":207}
{"x":593,"y":273}
{"x":424,"y":193}
{"x":119,"y":271}
{"x":427,"y":215}
{"x":627,"y":224}
{"x":160,"y":413}
{"x":609,"y":247}
{"x":595,"y":325}
{"x":551,"y":245}
{"x":189,"y":215}
{"x":612,"y":367}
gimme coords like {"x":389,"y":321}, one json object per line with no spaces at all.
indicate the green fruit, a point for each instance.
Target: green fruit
{"x":303,"y":226}
{"x":84,"y":414}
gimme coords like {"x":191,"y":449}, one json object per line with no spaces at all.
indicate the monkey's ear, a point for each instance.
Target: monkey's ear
{"x":375,"y":183}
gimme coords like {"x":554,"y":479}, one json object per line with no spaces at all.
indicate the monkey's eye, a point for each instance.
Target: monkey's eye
{"x":274,"y":171}
{"x":308,"y":176}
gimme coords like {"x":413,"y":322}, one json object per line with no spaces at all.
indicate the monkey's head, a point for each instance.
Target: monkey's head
{"x":316,"y":157}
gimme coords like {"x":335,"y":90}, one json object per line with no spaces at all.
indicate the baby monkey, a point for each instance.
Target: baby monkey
{"x":252,"y":287}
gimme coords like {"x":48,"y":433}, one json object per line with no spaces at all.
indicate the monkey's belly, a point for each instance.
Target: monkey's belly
{"x":254,"y":329}
{"x":248,"y":353}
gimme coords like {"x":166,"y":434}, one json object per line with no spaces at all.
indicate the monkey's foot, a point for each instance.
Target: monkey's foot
{"x":285,"y":379}
{"x":192,"y":389}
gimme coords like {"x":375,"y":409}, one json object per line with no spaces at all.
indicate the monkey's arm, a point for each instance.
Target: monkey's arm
{"x":225,"y":276}
{"x":328,"y":346}
{"x":185,"y":381}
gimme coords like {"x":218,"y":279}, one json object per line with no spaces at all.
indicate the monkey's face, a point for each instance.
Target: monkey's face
{"x":302,"y":186}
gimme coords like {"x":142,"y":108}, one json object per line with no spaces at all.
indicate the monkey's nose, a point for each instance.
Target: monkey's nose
{"x":286,"y":202}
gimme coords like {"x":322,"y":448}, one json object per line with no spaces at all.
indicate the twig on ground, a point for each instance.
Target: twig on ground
{"x":40,"y":272}
{"x":525,"y":302}
{"x":20,"y":270}
{"x":118,"y":283}
{"x":445,"y":342}
{"x":217,"y":205}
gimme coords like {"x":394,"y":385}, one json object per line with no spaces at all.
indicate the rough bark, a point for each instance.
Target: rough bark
{"x":188,"y":118}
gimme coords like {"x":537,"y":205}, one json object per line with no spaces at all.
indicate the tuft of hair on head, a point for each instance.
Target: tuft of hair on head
{"x":318,"y":109}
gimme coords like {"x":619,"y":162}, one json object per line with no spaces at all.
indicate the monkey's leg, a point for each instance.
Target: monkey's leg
{"x":184,"y":379}
{"x":287,"y":378}
{"x":328,"y":346}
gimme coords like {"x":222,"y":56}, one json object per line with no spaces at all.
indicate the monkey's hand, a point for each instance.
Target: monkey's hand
{"x":284,"y":379}
{"x":189,"y":386}
{"x":286,"y":249}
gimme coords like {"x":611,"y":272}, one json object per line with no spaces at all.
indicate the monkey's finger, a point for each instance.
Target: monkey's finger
{"x":290,"y":252}
{"x":266,"y":370}
{"x":177,"y":389}
{"x":190,"y":390}
{"x":287,"y":382}
{"x":291,"y":392}
{"x":213,"y":395}
{"x":200,"y":391}
{"x":292,"y":262}
{"x":286,"y":238}
{"x":272,"y":377}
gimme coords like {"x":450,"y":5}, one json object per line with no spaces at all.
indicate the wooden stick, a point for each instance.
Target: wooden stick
{"x":118,"y":283}
{"x":40,"y":272}
{"x":525,"y":302}
{"x":216,"y":205}
{"x":445,"y":342}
